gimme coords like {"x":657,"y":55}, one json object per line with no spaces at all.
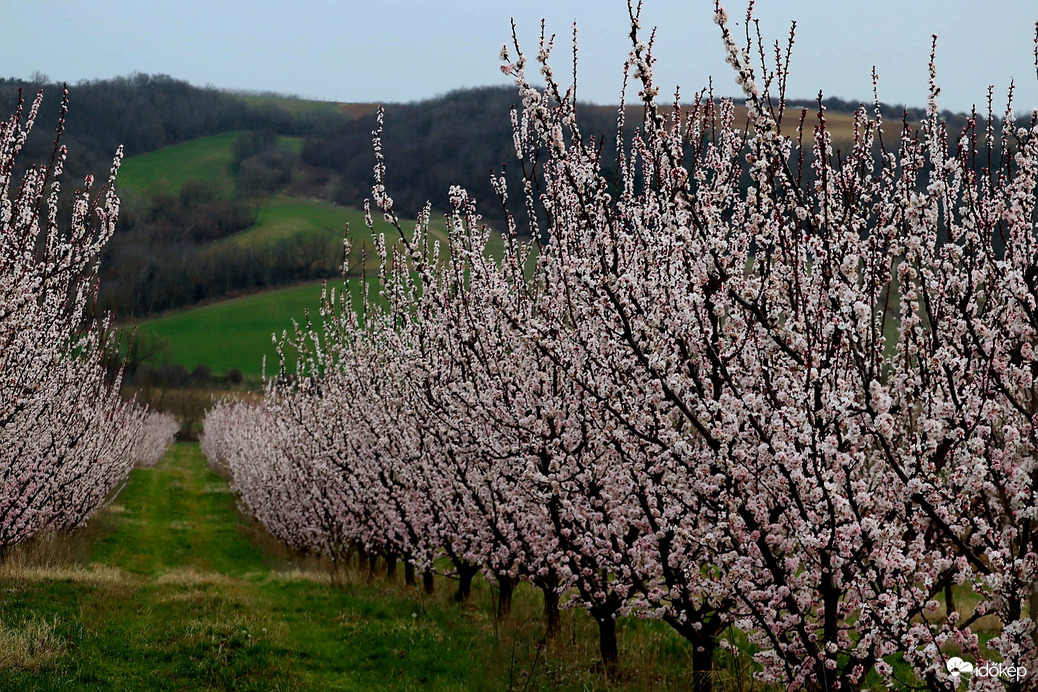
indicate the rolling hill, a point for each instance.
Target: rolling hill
{"x":235,"y":334}
{"x":294,"y":234}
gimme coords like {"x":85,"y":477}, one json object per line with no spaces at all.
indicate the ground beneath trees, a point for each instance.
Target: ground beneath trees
{"x":173,"y":589}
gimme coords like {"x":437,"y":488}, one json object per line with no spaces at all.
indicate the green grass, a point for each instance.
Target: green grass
{"x":235,"y":333}
{"x":176,"y":590}
{"x":281,"y":218}
{"x":207,"y":159}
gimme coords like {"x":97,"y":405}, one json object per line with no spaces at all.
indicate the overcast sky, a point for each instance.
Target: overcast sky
{"x":396,"y":50}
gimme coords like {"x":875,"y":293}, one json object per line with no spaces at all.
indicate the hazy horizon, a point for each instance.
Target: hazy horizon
{"x":396,"y":51}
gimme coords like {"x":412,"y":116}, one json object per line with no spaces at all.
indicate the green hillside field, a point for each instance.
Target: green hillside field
{"x":309,"y":223}
{"x":206,"y":159}
{"x":312,"y":226}
{"x":283,"y":217}
{"x":293,"y":105}
{"x":236,"y":333}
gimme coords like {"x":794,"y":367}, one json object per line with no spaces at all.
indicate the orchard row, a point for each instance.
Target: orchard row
{"x":67,"y":439}
{"x":733,"y":379}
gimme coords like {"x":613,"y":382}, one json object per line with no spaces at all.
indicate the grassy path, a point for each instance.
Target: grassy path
{"x":178,"y":516}
{"x":180,"y":592}
{"x":171,"y":588}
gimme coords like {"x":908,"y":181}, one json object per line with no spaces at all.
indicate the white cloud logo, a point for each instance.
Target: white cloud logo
{"x":956,"y":666}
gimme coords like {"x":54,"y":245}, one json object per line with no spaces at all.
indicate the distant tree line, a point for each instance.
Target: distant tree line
{"x":180,"y":274}
{"x":459,"y":138}
{"x":143,"y":113}
{"x":889,"y":111}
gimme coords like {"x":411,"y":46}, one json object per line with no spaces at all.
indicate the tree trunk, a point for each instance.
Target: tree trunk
{"x":372,"y":562}
{"x":703,"y":641}
{"x":465,"y":574}
{"x":505,"y":587}
{"x":703,"y":666}
{"x":391,"y":566}
{"x":427,"y":581}
{"x":552,"y":617}
{"x":409,"y":574}
{"x":607,"y":643}
{"x":949,"y":600}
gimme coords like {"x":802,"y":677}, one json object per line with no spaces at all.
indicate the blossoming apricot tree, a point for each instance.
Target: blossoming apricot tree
{"x":739,"y":377}
{"x":66,"y":438}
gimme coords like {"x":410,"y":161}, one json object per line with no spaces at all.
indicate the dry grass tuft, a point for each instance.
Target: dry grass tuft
{"x":218,"y":489}
{"x":318,"y":576}
{"x":54,"y":548}
{"x":180,"y":526}
{"x":32,"y":646}
{"x":187,"y":576}
{"x":91,"y":574}
{"x":192,"y":596}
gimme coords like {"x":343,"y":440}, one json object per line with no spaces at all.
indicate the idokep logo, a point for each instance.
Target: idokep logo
{"x":958,"y":667}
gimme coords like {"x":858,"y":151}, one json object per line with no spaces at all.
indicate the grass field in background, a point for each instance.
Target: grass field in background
{"x":284,"y":217}
{"x":295,"y":106}
{"x":306,"y":107}
{"x":291,"y":222}
{"x":314,"y":228}
{"x":235,"y":333}
{"x":207,"y":159}
{"x":311,"y":227}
